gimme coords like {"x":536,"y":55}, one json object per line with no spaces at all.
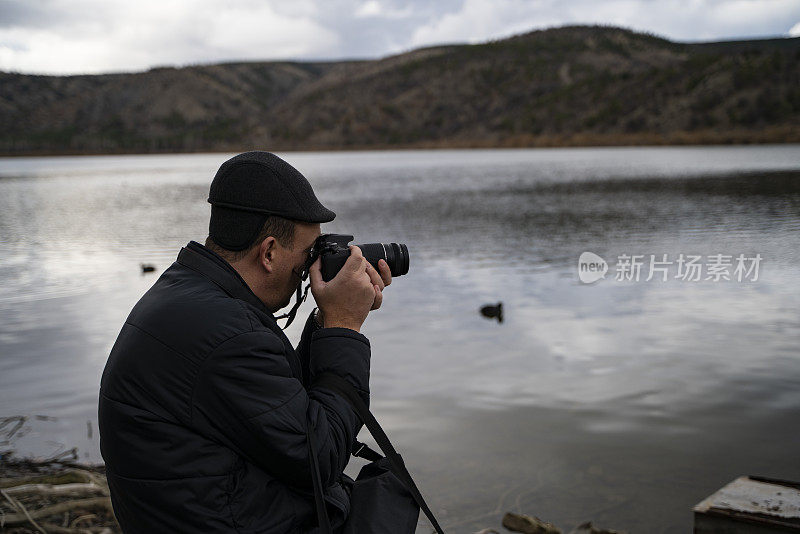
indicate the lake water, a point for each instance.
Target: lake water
{"x":624,"y":402}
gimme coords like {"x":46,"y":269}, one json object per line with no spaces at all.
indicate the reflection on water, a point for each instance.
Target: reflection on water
{"x":629,"y":400}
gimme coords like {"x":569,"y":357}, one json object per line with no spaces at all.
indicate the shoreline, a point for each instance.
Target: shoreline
{"x":780,"y":136}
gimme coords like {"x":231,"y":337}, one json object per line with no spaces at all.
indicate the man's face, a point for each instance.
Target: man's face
{"x":293,"y":260}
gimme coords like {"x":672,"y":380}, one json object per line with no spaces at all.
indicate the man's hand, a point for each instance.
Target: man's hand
{"x":379,"y":280}
{"x":356,"y":289}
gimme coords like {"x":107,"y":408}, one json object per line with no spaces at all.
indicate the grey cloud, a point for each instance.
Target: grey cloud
{"x":58,"y":16}
{"x":28,"y":14}
{"x":386,"y":32}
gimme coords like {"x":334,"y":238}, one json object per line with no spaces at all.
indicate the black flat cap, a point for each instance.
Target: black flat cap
{"x":252,"y":186}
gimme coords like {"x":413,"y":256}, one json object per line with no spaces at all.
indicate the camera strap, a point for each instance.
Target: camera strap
{"x":346,"y":390}
{"x":290,"y":315}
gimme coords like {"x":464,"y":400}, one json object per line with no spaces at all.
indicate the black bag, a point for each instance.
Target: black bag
{"x":379,"y":502}
{"x":384,"y":498}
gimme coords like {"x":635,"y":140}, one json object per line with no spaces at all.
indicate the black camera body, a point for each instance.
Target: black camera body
{"x":333,"y":250}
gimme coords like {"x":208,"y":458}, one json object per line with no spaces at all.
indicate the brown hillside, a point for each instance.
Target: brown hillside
{"x":571,"y":85}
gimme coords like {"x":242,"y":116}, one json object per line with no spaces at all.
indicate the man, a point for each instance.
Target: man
{"x":204,"y":405}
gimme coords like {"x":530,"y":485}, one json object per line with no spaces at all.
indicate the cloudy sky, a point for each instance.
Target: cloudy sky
{"x":90,"y":36}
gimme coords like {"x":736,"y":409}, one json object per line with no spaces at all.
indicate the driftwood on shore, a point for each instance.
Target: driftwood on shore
{"x":54,"y":496}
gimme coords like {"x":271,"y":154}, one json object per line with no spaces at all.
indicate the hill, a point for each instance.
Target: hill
{"x":574,"y":85}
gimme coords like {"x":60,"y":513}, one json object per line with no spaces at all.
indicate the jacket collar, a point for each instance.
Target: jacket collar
{"x":215,"y":268}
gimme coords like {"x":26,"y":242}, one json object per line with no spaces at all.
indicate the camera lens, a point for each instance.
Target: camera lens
{"x":395,"y":254}
{"x":397,"y":258}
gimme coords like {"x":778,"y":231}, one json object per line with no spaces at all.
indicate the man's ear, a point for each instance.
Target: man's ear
{"x":266,"y":254}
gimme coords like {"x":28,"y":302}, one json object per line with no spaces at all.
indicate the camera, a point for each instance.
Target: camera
{"x":333,"y":251}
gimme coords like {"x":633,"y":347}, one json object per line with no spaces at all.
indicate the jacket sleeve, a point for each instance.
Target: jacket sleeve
{"x":246,"y":397}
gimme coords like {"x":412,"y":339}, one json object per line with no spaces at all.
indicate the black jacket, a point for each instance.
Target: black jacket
{"x":204,"y":407}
